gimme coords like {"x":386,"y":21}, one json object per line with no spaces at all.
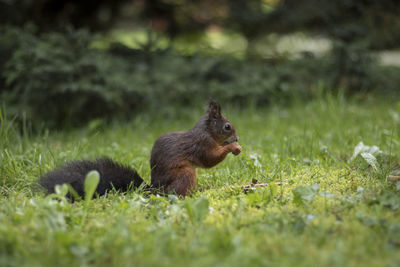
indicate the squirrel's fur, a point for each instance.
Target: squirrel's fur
{"x":174,"y":159}
{"x":112,"y":175}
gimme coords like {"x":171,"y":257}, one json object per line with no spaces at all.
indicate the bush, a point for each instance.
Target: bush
{"x":61,"y":78}
{"x":57,"y":78}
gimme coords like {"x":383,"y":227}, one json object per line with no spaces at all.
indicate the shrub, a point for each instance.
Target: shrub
{"x":61,"y":79}
{"x":57,"y":78}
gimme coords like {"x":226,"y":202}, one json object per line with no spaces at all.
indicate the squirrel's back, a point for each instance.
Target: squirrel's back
{"x":112,"y":175}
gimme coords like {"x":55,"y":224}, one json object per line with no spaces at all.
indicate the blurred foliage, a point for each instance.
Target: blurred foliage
{"x":57,"y":14}
{"x":54,"y":72}
{"x":57,"y":78}
{"x":346,"y":20}
{"x":62,"y":78}
{"x":179,"y":17}
{"x":352,"y":66}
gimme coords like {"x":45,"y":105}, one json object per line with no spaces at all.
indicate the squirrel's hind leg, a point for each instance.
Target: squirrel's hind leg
{"x":183,"y":182}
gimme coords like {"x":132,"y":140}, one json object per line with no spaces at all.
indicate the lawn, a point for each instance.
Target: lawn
{"x":335,"y":210}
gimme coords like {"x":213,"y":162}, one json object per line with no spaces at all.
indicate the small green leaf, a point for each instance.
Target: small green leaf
{"x":91,"y":181}
{"x":201,"y":208}
{"x":73,"y":193}
{"x":61,"y":190}
{"x":262,"y":196}
{"x":79,"y":251}
{"x":305,"y":194}
{"x":190,"y":210}
{"x":361,"y":148}
{"x":273,"y":189}
{"x":371,"y":160}
{"x":197,"y":210}
{"x":254,"y":198}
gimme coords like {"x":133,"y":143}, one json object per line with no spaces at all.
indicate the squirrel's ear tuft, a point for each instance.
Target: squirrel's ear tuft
{"x":214,"y":109}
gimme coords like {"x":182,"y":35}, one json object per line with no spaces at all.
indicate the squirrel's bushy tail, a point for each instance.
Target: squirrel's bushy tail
{"x":112,"y":175}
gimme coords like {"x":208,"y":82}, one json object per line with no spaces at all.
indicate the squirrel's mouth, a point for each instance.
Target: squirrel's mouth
{"x":231,"y":140}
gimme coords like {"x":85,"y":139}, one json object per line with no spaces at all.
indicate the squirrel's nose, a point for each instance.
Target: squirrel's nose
{"x":237,"y":139}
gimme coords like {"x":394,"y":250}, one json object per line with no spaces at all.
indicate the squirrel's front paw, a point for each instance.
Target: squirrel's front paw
{"x":236,"y":149}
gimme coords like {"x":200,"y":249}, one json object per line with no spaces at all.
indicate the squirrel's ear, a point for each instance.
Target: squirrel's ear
{"x":214,"y":109}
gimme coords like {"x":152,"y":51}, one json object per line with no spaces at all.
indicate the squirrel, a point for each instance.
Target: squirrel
{"x":175,"y":158}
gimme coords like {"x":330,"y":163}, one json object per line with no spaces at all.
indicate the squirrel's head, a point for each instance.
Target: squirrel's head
{"x":220,"y":128}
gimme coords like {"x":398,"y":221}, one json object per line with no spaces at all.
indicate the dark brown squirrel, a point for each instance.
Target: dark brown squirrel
{"x":174,"y":159}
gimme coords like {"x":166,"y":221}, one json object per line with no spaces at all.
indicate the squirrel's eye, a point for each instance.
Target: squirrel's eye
{"x":227,"y":127}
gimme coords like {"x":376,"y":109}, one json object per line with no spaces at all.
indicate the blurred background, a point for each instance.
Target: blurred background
{"x":69,"y":63}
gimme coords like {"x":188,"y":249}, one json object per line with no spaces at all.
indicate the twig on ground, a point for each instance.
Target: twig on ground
{"x":393,"y":179}
{"x":254,"y":184}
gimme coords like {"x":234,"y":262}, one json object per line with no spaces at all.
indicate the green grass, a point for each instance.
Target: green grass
{"x":332,"y":212}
